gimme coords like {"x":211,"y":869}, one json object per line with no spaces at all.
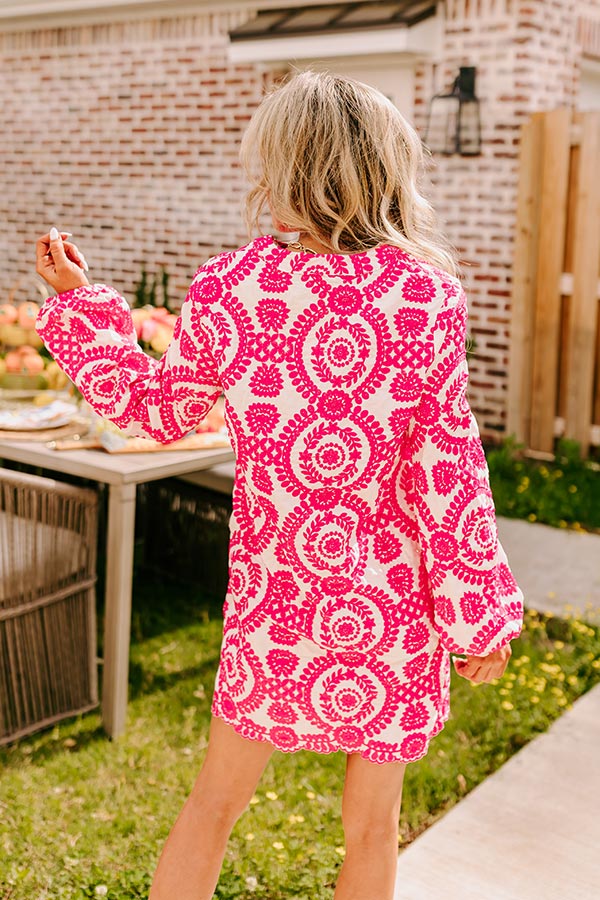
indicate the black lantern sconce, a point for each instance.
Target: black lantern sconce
{"x":453,"y":125}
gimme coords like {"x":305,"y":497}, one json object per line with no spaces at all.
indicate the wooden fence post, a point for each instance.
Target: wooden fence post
{"x":582,"y":322}
{"x":518,"y":414}
{"x":554,"y":166}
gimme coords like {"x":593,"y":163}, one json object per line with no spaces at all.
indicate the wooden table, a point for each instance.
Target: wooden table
{"x":121,"y":472}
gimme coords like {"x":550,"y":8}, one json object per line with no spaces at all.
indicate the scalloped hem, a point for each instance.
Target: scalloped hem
{"x":363,"y":752}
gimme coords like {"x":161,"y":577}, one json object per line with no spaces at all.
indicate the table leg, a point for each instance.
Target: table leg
{"x":117,"y":624}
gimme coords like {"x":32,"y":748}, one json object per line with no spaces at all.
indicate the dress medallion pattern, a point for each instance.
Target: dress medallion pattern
{"x":364,"y":548}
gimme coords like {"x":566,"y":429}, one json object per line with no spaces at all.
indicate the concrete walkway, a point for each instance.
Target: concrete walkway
{"x":554,"y":567}
{"x":531,"y":831}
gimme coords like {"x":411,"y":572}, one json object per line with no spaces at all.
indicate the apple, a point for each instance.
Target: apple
{"x":8,"y":314}
{"x":25,"y":360}
{"x":34,"y":340}
{"x":32,"y":363}
{"x":13,"y":335}
{"x":27,"y":313}
{"x":13,"y":361}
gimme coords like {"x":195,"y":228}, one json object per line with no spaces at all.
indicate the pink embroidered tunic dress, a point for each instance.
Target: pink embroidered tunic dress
{"x":364,"y":547}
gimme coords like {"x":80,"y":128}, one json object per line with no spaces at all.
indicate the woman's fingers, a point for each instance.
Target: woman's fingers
{"x":43,"y":242}
{"x":57,"y":251}
{"x":74,"y":253}
{"x":59,"y":262}
{"x":470,"y":669}
{"x":480,"y":669}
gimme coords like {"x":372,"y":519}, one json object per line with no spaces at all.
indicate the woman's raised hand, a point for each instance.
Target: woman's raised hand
{"x":60,"y":262}
{"x":484,"y":668}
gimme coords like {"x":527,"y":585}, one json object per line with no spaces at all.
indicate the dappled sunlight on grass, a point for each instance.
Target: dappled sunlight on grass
{"x":81,"y":812}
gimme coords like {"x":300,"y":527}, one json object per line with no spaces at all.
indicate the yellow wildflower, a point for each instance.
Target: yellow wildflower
{"x":521,"y":660}
{"x":506,"y":705}
{"x":278,"y":845}
{"x":271,"y":795}
{"x":249,"y":836}
{"x":549,"y":669}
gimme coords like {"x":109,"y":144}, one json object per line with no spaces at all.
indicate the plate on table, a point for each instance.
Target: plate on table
{"x":30,"y":417}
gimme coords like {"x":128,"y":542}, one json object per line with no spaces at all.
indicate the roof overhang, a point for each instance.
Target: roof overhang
{"x":421,"y":37}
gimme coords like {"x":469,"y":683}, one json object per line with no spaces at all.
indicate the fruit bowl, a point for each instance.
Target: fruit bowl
{"x":24,"y":363}
{"x":16,"y":381}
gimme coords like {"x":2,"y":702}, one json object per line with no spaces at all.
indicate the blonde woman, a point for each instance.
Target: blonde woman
{"x":364,"y":549}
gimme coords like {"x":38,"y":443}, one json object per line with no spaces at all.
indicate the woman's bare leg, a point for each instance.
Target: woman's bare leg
{"x":192,"y":857}
{"x":370,"y":813}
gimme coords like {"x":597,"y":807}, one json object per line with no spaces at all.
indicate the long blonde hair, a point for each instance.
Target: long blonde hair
{"x":334,"y":157}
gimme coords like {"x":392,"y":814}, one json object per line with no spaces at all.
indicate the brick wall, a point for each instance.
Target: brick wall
{"x":127,"y":134}
{"x":527,"y":57}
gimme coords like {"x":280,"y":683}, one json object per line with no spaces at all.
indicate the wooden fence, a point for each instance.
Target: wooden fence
{"x":554,"y":377}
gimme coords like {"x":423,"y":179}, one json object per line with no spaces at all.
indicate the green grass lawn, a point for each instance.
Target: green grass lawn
{"x":85,"y":817}
{"x":564,"y":493}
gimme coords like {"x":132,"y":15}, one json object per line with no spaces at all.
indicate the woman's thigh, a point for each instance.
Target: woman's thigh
{"x":232,"y":766}
{"x":372,"y":793}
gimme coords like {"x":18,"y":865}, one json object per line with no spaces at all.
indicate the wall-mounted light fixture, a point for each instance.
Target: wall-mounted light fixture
{"x":453,"y":124}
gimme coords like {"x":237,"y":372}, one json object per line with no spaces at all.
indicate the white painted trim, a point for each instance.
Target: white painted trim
{"x":423,"y":39}
{"x":81,"y":13}
{"x":35,"y":16}
{"x":41,"y":7}
{"x":9,"y":9}
{"x":48,"y":13}
{"x":588,"y":98}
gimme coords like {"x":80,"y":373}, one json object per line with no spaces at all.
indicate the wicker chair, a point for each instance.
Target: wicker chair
{"x":47,"y":602}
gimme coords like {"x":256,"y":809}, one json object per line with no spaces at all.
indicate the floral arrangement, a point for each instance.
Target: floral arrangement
{"x":154,"y":322}
{"x":154,"y":327}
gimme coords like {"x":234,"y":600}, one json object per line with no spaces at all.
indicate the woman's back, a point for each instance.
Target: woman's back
{"x":322,"y":359}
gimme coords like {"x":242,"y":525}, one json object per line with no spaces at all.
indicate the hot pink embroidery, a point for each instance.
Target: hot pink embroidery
{"x":363,"y":544}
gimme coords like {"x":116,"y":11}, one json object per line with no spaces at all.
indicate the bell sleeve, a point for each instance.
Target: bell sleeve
{"x":476,"y":604}
{"x":90,"y":333}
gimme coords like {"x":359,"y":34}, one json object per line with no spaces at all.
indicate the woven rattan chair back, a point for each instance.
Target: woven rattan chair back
{"x":48,"y":534}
